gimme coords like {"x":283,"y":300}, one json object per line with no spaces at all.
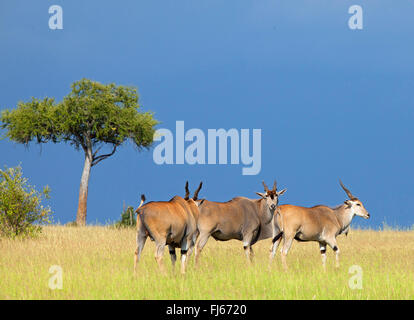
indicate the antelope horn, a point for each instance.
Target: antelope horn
{"x":274,"y":186}
{"x":265,"y":186}
{"x":346,"y":190}
{"x":195,"y":197}
{"x":187,"y":192}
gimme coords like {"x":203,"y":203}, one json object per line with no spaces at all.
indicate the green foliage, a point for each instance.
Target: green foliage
{"x":21,"y":212}
{"x":92,"y":114}
{"x":33,"y":120}
{"x":127,"y":218}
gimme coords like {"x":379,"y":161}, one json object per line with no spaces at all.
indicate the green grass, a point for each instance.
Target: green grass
{"x":97,"y":263}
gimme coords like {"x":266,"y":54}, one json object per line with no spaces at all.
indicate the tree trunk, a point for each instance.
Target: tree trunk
{"x":83,"y":190}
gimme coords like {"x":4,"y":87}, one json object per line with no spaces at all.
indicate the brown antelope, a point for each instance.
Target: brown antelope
{"x":195,"y":210}
{"x":319,"y":223}
{"x":171,"y":223}
{"x":240,"y":218}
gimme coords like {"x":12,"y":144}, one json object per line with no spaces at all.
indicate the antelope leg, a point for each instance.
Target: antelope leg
{"x":273,"y":248}
{"x":184,"y":249}
{"x":322,"y":249}
{"x":287,"y":243}
{"x":159,"y":252}
{"x":201,"y":242}
{"x":173,"y":256}
{"x":141,"y":238}
{"x":332,"y":243}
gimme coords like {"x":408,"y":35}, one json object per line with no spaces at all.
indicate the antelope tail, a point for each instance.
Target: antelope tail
{"x":279,"y":219}
{"x":277,"y":237}
{"x":279,"y":222}
{"x":142,"y":201}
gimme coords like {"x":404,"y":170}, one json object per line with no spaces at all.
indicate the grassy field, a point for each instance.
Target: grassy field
{"x":97,"y":263}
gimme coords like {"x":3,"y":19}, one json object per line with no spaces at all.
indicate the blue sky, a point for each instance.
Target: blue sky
{"x":331,"y":102}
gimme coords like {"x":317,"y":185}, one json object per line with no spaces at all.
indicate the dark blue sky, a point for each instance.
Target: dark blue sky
{"x":331,"y":102}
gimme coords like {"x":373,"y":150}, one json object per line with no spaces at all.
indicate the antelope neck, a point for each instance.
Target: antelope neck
{"x":344,"y":217}
{"x":265,"y":212}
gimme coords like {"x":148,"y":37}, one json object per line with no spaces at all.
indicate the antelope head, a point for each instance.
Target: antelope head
{"x":354,"y":204}
{"x":271,"y":197}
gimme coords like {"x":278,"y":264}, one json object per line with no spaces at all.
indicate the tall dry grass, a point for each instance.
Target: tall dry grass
{"x":97,"y":263}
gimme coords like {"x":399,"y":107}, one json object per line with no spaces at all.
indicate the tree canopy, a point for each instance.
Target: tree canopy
{"x":91,"y":115}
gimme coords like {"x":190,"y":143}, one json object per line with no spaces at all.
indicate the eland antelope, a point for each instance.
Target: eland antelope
{"x":240,"y":218}
{"x":194,"y":204}
{"x":171,"y":223}
{"x":319,"y":223}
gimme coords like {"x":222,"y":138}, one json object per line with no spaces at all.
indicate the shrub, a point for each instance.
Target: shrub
{"x":127,"y":218}
{"x":21,"y":211}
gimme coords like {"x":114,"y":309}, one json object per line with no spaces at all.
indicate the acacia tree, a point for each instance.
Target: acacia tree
{"x":91,"y":116}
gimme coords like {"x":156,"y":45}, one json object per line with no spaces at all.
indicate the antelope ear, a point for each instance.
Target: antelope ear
{"x":281,"y":192}
{"x":262,"y":195}
{"x":348,"y":203}
{"x":199,"y":202}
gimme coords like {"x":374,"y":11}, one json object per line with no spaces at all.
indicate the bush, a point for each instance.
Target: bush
{"x":21,"y":212}
{"x":127,"y":218}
